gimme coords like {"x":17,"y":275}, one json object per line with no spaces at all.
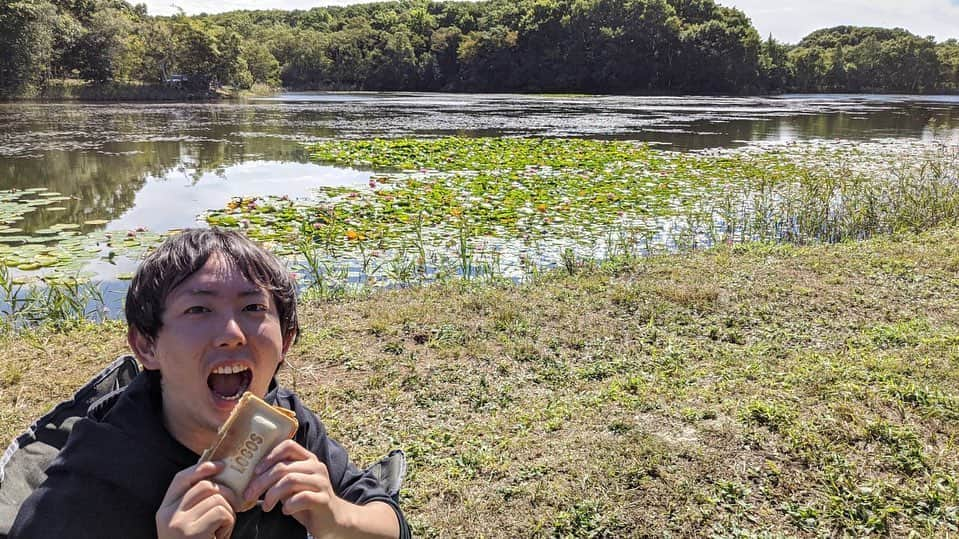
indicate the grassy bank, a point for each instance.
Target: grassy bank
{"x":76,"y":90}
{"x":742,"y":391}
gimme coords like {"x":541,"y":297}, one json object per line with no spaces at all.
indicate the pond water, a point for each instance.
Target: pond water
{"x":158,"y":166}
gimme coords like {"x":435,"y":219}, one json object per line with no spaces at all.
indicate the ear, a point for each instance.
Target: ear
{"x":144,"y":348}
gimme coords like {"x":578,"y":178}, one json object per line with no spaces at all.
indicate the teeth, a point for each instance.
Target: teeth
{"x":229,"y":369}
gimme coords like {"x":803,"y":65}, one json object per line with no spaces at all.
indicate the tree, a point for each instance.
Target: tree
{"x":948,"y":53}
{"x":809,"y":68}
{"x":308,"y":64}
{"x":158,"y":61}
{"x":209,"y":54}
{"x":774,"y":65}
{"x":836,"y":75}
{"x":263,"y":66}
{"x":444,"y":44}
{"x":850,"y":58}
{"x":102,"y":49}
{"x":26,"y":45}
{"x":485,"y":58}
{"x":722,"y":54}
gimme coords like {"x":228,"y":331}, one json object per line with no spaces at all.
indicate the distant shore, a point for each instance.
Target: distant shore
{"x":73,"y":90}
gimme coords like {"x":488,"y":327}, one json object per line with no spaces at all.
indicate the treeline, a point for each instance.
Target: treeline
{"x":111,"y":40}
{"x":601,"y":46}
{"x":853,"y":59}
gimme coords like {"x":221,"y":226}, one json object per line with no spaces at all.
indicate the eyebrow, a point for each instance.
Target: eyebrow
{"x":213,"y":293}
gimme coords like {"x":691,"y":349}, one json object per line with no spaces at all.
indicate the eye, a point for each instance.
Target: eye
{"x":196,"y":309}
{"x":256,"y":307}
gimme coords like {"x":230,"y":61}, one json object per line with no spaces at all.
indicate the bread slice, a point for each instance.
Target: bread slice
{"x":253,"y":429}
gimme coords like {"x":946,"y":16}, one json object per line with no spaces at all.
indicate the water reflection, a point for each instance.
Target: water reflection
{"x":158,"y":165}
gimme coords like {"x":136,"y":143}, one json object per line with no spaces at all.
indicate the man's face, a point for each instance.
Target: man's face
{"x":220,"y":337}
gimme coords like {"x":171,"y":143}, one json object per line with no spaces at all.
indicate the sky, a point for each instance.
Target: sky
{"x":787,"y":20}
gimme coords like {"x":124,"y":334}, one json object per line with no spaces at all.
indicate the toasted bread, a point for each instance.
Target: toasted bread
{"x":253,"y":429}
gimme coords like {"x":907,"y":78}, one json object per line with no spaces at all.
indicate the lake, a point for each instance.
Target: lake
{"x":155,"y":167}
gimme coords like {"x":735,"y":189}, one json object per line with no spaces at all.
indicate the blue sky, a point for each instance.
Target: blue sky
{"x":786,"y":20}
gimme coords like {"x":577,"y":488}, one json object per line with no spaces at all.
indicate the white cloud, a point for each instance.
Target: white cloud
{"x":790,"y":20}
{"x":786,"y":20}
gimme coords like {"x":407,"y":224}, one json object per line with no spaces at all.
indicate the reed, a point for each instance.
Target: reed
{"x":54,"y":303}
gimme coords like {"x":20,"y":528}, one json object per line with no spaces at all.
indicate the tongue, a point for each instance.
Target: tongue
{"x":227,"y":385}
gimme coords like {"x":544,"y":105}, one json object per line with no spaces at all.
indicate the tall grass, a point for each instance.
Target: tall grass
{"x":828,"y":203}
{"x":56,"y":303}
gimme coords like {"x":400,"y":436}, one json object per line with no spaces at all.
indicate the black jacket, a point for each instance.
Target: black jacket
{"x":111,"y":477}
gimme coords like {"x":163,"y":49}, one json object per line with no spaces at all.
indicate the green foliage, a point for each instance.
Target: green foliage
{"x":948,"y":53}
{"x":263,"y":66}
{"x":849,"y":58}
{"x":622,"y":46}
{"x":26,"y":45}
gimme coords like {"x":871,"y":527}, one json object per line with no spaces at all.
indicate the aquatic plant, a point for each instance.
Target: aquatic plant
{"x":534,"y":202}
{"x":438,"y":209}
{"x":55,"y":302}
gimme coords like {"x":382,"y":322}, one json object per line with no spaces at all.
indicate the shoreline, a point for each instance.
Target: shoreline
{"x":72,"y":91}
{"x":134,"y":92}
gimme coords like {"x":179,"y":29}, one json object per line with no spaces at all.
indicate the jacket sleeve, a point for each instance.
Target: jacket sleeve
{"x":349,"y":482}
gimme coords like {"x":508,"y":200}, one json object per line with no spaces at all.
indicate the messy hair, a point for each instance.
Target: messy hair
{"x":183,"y":254}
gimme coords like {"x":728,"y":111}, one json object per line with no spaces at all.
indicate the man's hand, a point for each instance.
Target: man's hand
{"x":292,"y":475}
{"x":195,"y":506}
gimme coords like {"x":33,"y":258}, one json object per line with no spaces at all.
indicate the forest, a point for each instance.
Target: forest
{"x":590,"y":46}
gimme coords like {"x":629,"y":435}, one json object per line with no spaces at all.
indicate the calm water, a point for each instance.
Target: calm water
{"x":159,"y":166}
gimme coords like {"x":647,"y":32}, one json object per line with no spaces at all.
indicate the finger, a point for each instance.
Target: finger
{"x":219,"y":517}
{"x":267,"y":479}
{"x":208,"y":489}
{"x":291,"y":484}
{"x":305,"y":501}
{"x":285,"y":450}
{"x":185,"y":479}
{"x":199,"y":492}
{"x":205,"y":506}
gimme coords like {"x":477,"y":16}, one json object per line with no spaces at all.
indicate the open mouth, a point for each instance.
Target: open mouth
{"x":228,"y":382}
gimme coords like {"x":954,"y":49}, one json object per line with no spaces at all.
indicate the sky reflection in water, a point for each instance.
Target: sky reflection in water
{"x":159,"y":166}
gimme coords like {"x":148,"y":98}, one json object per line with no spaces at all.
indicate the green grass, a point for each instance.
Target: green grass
{"x":748,"y":390}
{"x":69,"y":89}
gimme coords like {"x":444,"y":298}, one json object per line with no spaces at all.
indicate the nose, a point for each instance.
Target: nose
{"x":231,"y":334}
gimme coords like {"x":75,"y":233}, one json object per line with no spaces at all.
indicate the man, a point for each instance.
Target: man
{"x":211,"y":315}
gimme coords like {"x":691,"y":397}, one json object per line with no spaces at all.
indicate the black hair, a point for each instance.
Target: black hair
{"x":183,"y":254}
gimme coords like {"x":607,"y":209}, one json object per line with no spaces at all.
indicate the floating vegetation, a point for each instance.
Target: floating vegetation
{"x":508,"y":207}
{"x":505,"y":207}
{"x":60,"y":250}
